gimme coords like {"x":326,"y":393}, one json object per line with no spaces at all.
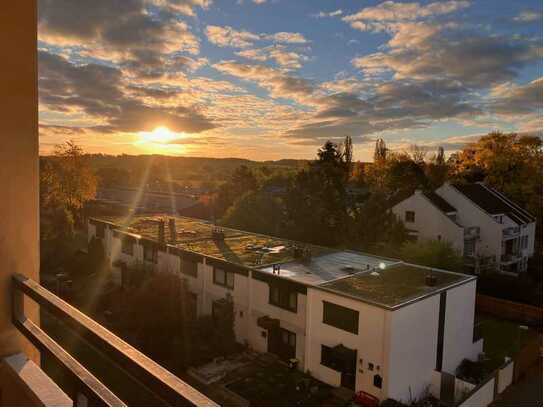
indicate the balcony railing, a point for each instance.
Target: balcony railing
{"x":511,"y":231}
{"x":472,"y":232}
{"x":163,"y":384}
{"x":510,"y":258}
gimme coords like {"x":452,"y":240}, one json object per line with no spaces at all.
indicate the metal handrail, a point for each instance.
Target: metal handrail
{"x":163,"y":384}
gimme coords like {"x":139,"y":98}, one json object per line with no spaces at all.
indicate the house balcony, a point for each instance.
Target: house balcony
{"x":510,"y":258}
{"x":472,"y":232}
{"x":511,"y":232}
{"x":85,"y":389}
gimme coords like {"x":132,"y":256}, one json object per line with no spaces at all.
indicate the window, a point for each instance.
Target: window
{"x":469,"y":247}
{"x":378,"y":381}
{"x":284,"y":297}
{"x":127,"y":246}
{"x":223,"y":278}
{"x":288,"y":338}
{"x":327,"y":358}
{"x":100,"y":230}
{"x":524,"y":242}
{"x":340,"y":317}
{"x":339,"y":358}
{"x":189,"y":268}
{"x":150,"y":254}
{"x":410,"y":216}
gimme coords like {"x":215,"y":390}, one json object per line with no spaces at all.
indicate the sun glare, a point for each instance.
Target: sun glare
{"x":160,"y":135}
{"x":160,"y":141}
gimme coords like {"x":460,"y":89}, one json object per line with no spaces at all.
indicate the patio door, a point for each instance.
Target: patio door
{"x":282,"y":343}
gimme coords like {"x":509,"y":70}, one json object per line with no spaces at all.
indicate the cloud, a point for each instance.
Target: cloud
{"x":424,"y":51}
{"x":97,"y":91}
{"x":286,"y":37}
{"x":119,"y":30}
{"x":229,"y":37}
{"x":394,"y":11}
{"x":528,"y":16}
{"x":278,"y":53}
{"x":278,"y":83}
{"x":511,"y":99}
{"x":324,"y":14}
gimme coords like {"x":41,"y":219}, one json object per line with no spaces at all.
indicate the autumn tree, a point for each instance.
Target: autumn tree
{"x":511,"y":163}
{"x":66,"y":181}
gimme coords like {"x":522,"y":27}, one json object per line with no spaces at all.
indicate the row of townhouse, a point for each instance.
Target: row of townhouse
{"x":487,"y":228}
{"x":350,"y":319}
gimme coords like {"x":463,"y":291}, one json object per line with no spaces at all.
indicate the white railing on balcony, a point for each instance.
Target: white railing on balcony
{"x":472,"y":232}
{"x":511,"y":231}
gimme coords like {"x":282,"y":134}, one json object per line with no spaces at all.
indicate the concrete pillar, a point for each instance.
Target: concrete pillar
{"x":19,"y":214}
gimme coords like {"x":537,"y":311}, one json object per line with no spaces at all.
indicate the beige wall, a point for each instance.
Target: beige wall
{"x":19,"y":235}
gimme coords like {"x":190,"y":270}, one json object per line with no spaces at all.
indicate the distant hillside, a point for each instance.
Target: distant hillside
{"x":129,"y":170}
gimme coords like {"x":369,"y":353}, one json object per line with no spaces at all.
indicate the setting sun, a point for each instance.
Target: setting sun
{"x":160,"y":135}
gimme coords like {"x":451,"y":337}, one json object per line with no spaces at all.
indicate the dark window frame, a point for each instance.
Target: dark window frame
{"x":154,"y":254}
{"x":127,"y":246}
{"x":226,"y":282}
{"x":188,"y":267}
{"x":347,"y":322}
{"x":409,"y":216}
{"x":281,"y":295}
{"x":100,"y":230}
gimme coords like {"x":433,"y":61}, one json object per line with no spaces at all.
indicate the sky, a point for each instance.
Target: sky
{"x":272,"y":79}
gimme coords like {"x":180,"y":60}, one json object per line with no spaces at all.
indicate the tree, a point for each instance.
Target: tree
{"x":155,"y":317}
{"x":380,"y":153}
{"x":432,"y":253}
{"x":316,"y":202}
{"x":348,"y":154}
{"x":240,"y":182}
{"x":66,"y":180}
{"x":510,"y":163}
{"x":377,"y":228}
{"x":256,"y":211}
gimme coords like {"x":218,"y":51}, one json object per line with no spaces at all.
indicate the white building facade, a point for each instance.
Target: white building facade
{"x":489,"y":230}
{"x":388,"y":347}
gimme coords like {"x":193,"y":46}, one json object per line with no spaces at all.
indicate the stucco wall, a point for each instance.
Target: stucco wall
{"x":458,"y":335}
{"x":430,"y":222}
{"x":292,"y":321}
{"x":412,"y":348}
{"x":19,"y":180}
{"x":369,"y":342}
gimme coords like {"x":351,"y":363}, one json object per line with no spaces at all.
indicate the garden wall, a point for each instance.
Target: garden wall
{"x":527,"y":357}
{"x":508,"y":309}
{"x":470,"y":395}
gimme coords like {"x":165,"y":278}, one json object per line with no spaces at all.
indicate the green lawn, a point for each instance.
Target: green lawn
{"x":503,"y":338}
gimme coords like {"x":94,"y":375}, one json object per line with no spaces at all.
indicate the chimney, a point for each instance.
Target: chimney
{"x":173,"y":230}
{"x":161,"y":231}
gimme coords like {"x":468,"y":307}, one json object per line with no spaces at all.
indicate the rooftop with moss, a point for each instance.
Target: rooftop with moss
{"x":380,"y":281}
{"x":395,"y":285}
{"x":238,"y":247}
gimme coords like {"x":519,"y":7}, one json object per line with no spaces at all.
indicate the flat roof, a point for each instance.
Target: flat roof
{"x":330,"y":266}
{"x":238,"y":247}
{"x":395,"y":285}
{"x":384,"y":282}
